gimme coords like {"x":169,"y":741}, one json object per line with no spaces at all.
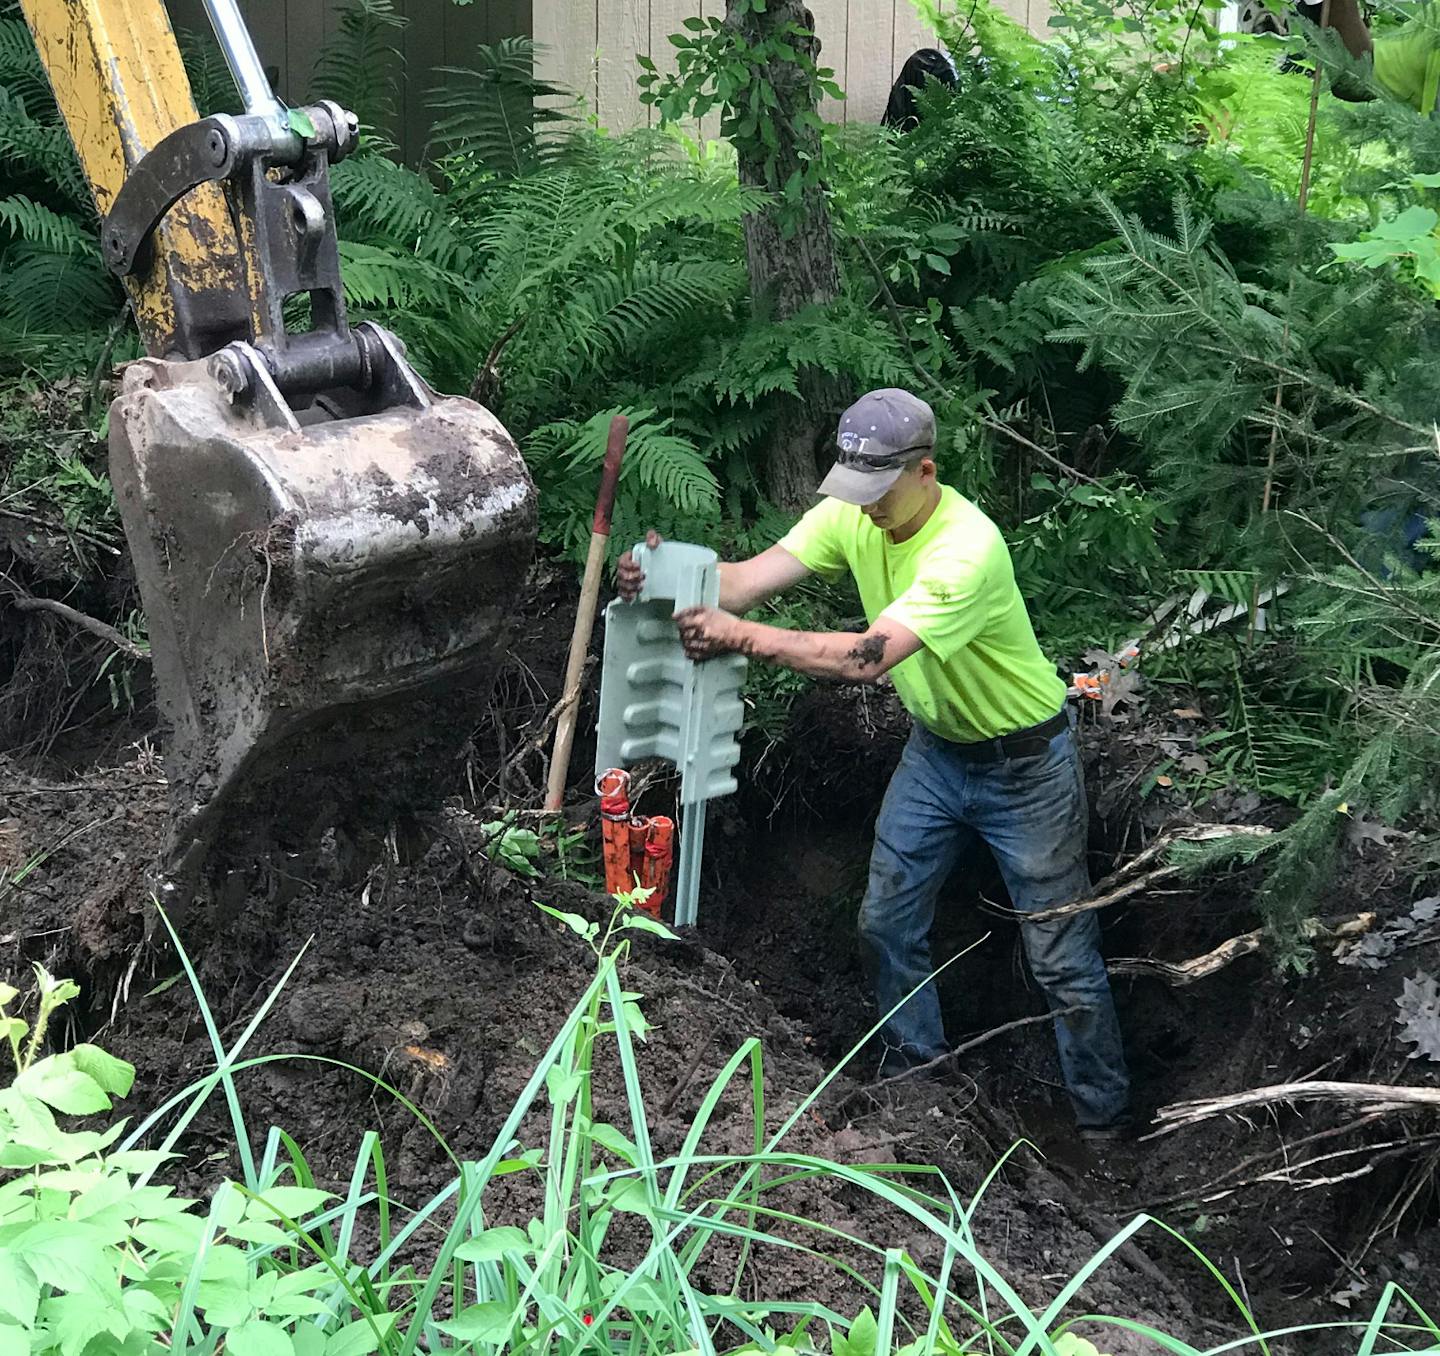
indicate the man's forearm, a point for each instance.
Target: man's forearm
{"x":841,"y":656}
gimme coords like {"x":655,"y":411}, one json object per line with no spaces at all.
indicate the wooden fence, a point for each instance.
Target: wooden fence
{"x":589,"y":46}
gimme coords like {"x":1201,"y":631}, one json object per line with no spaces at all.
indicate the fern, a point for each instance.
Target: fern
{"x":669,"y":465}
{"x":375,"y":276}
{"x":363,"y":66}
{"x":43,"y":292}
{"x":211,"y":84}
{"x":492,"y":112}
{"x":618,"y":311}
{"x":379,"y":199}
{"x":20,"y":70}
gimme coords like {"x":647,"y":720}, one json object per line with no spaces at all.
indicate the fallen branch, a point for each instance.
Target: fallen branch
{"x":126,"y":646}
{"x":1373,"y":1096}
{"x":1129,"y":879}
{"x":995,"y":425}
{"x":981,"y":1039}
{"x":1180,"y":973}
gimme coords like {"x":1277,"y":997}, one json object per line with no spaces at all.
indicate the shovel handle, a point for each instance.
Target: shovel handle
{"x":585,"y":614}
{"x":609,"y":477}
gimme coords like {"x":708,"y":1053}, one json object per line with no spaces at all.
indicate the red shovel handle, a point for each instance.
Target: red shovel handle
{"x":610,"y":475}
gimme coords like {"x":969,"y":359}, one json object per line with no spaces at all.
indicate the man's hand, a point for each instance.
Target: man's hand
{"x":629,"y":578}
{"x":707,"y":632}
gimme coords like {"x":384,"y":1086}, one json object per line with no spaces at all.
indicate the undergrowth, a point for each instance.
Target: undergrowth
{"x":1179,"y":387}
{"x":628,"y":1251}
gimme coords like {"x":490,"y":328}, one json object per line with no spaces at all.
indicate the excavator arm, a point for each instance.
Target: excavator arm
{"x":326,"y":549}
{"x":117,"y":77}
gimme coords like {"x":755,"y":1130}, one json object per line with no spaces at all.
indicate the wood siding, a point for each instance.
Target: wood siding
{"x":291,"y":34}
{"x":589,"y":46}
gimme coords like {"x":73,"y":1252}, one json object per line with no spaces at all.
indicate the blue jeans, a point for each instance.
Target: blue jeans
{"x":1031,"y":813}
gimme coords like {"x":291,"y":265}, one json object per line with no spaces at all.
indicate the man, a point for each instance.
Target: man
{"x":1405,"y":61}
{"x":991,"y":757}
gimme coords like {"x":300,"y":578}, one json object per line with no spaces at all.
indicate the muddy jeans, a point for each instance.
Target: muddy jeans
{"x":1031,"y":813}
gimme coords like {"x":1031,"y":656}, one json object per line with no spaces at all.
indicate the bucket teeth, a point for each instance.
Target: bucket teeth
{"x":324,"y":600}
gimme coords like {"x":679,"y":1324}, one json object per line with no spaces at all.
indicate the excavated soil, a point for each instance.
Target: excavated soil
{"x":428,"y":965}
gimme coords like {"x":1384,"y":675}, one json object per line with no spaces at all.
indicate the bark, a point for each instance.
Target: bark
{"x":795,"y":268}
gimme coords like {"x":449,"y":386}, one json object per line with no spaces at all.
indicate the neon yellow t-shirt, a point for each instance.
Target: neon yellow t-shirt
{"x":981,"y":672}
{"x":1407,"y":64}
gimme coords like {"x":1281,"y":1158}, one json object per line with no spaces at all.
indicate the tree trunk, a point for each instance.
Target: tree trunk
{"x":790,"y":251}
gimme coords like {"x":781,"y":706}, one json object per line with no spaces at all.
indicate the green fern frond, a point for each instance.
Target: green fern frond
{"x":375,"y":276}
{"x":20,"y":70}
{"x":40,"y":150}
{"x":378,"y":201}
{"x":492,"y":112}
{"x":669,"y":465}
{"x":619,"y":311}
{"x":41,"y":291}
{"x":363,"y":65}
{"x":211,"y":84}
{"x":40,"y":226}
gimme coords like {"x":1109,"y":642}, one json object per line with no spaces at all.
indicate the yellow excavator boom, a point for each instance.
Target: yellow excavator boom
{"x":121,"y":87}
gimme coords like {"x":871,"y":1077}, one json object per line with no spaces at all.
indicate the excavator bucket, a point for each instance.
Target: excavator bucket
{"x":319,"y":593}
{"x":325,"y":548}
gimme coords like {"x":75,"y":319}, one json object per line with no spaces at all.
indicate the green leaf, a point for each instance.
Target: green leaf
{"x":608,"y":1137}
{"x":628,"y":1195}
{"x":309,"y":1340}
{"x":1068,"y":1344}
{"x":560,"y":1085}
{"x":643,"y":922}
{"x":259,"y":1338}
{"x":19,"y":1289}
{"x":939,"y":263}
{"x":492,"y":1244}
{"x":355,"y":1339}
{"x":8,"y":994}
{"x":580,"y":926}
{"x":528,"y":1159}
{"x":861,"y":1338}
{"x":300,"y":123}
{"x":54,"y":992}
{"x":113,"y":1075}
{"x":1412,"y":222}
{"x":65,"y":1255}
{"x":481,"y":1323}
{"x":296,"y":1202}
{"x":58,"y":1083}
{"x":261,"y":1233}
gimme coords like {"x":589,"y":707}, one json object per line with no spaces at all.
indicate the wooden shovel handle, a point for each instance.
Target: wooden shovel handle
{"x":585,"y":615}
{"x":610,"y":476}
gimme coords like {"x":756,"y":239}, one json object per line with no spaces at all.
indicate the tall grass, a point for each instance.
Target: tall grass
{"x":612,"y":1260}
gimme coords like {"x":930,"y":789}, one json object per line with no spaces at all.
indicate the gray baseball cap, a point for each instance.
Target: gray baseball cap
{"x":879,"y":435}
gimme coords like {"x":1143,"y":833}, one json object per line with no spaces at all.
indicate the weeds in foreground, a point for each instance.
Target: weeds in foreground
{"x":95,"y":1257}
